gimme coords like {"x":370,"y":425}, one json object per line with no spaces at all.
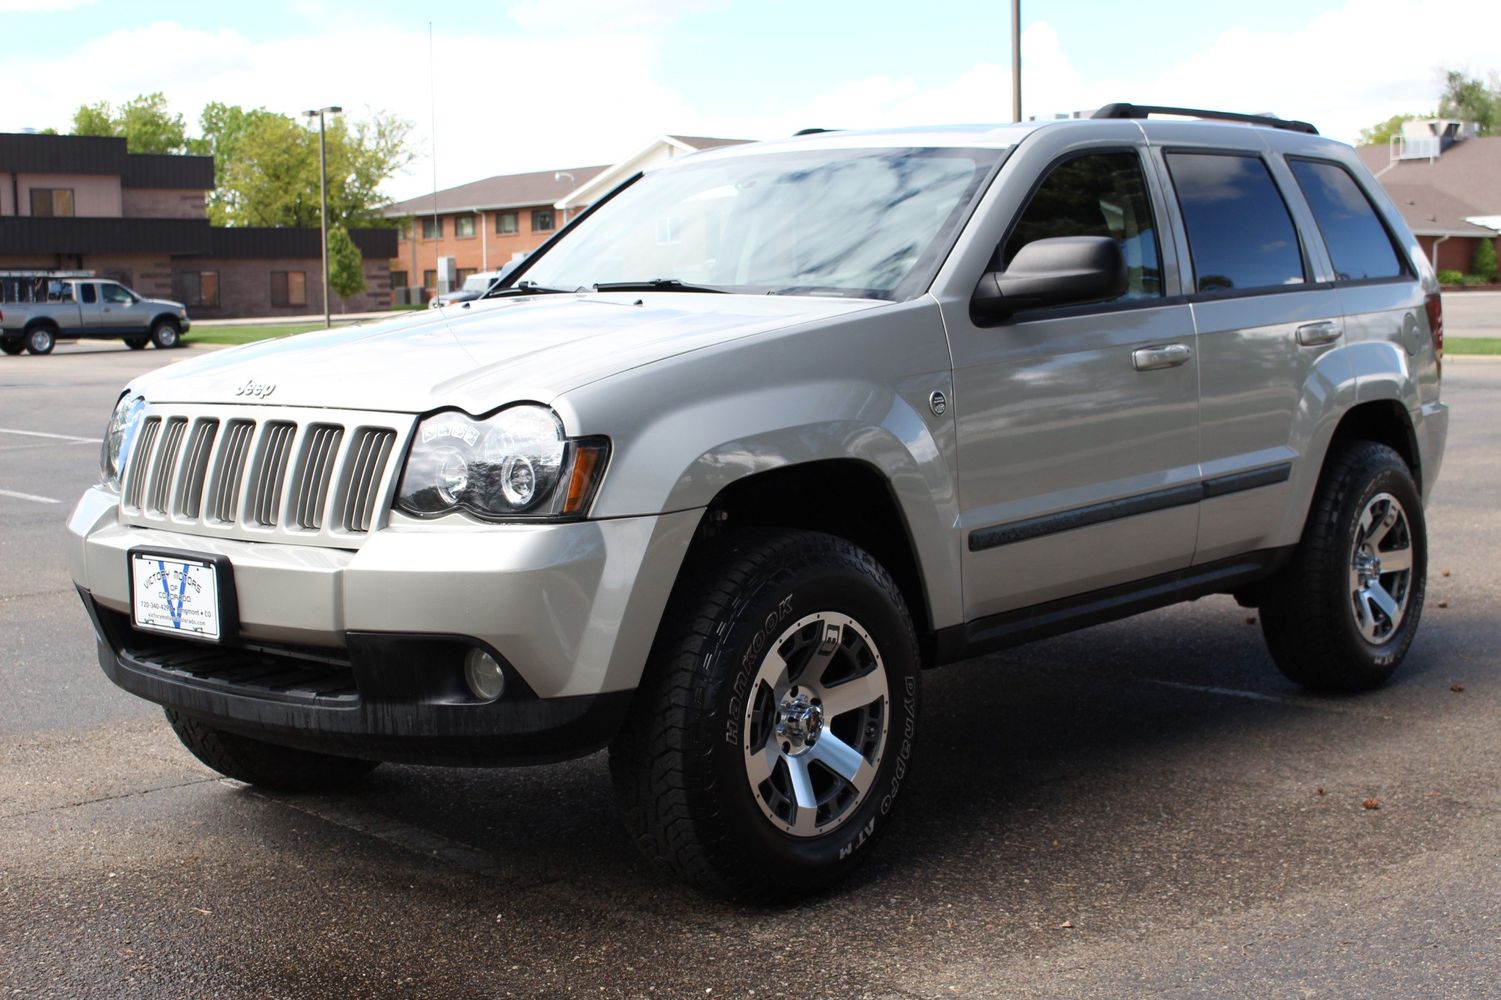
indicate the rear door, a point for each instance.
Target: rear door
{"x":1263,"y":319}
{"x":90,"y":306}
{"x":1078,"y":452}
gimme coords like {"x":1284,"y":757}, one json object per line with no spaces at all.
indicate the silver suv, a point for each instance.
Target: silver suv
{"x":766,"y":432}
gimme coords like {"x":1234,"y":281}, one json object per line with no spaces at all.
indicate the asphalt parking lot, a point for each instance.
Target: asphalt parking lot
{"x":1141,"y":809}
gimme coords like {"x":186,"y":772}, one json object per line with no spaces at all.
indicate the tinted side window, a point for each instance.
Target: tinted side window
{"x":1359,"y":244}
{"x":1097,"y":195}
{"x":1239,"y":232}
{"x":87,"y":291}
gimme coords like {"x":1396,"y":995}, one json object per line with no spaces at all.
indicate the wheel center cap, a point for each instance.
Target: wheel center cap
{"x":799,"y":722}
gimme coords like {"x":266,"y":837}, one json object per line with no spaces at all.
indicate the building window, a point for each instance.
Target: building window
{"x":432,"y":228}
{"x":404,"y":229}
{"x":199,"y":288}
{"x":505,"y":223}
{"x":398,"y":279}
{"x":430,"y":280}
{"x":289,"y":288}
{"x":463,"y":274}
{"x":52,"y":201}
{"x":463,"y":226}
{"x":542,"y":221}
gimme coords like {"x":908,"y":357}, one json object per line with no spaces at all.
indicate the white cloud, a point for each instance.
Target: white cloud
{"x":511,"y":100}
{"x":41,"y":6}
{"x":596,"y":16}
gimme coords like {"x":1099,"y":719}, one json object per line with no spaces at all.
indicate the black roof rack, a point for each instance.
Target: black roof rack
{"x":1143,"y":110}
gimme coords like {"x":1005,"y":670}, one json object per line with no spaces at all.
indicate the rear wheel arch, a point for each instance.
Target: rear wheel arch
{"x":1383,"y":421}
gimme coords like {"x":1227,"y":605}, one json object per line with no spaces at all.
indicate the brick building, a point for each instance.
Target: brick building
{"x":1446,"y":183}
{"x":84,"y":203}
{"x":480,"y":226}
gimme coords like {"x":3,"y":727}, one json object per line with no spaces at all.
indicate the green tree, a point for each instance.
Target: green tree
{"x":145,"y":122}
{"x":346,"y":268}
{"x":267,"y":167}
{"x":1483,"y":263}
{"x":1469,"y":99}
{"x":1382,"y":133}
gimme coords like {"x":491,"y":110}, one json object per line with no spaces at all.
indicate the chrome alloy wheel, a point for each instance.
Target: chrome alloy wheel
{"x":816,"y":724}
{"x":1381,"y":569}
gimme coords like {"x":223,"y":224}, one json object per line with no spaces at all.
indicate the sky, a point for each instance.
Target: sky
{"x":517,"y":85}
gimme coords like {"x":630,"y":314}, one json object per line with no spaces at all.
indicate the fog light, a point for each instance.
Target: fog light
{"x":483,"y":675}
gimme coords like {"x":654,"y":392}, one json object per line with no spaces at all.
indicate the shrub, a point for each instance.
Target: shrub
{"x":1450,"y":278}
{"x":1483,"y":264}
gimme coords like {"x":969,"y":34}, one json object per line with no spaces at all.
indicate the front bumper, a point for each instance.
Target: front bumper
{"x":371,"y":640}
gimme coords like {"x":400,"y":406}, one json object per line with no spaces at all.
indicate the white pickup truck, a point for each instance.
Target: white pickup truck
{"x":89,"y":307}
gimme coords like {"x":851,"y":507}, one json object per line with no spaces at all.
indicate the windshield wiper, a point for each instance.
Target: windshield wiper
{"x":654,"y":285}
{"x":526,"y":288}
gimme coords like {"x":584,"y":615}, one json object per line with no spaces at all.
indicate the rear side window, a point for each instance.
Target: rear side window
{"x":1359,"y":244}
{"x":1101,"y":194}
{"x":87,"y":291}
{"x":1240,"y":234}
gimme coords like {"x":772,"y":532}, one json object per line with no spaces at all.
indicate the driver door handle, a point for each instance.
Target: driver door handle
{"x":1147,"y":359}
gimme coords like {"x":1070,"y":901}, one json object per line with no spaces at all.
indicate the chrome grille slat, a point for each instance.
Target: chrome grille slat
{"x":164,"y":466}
{"x":225,"y":492}
{"x":315,"y":470}
{"x":264,"y":500}
{"x":365,"y":475}
{"x":141,"y":462}
{"x":195,"y":468}
{"x":300,"y":474}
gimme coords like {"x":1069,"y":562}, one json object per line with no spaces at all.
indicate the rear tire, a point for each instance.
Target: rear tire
{"x":12,"y":345}
{"x":775,"y":723}
{"x":137,"y":343}
{"x":40,"y":340}
{"x":164,"y":334}
{"x":265,"y":765}
{"x":1341,"y":616}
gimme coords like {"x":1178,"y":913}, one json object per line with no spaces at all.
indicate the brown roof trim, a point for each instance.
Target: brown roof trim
{"x":25,"y":153}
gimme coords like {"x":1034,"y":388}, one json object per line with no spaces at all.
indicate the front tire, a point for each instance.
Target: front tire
{"x":164,"y":334}
{"x":775,"y":724}
{"x":265,"y":765}
{"x":40,"y":340}
{"x":1341,"y":616}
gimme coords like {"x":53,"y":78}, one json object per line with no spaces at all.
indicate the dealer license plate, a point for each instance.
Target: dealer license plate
{"x":176,"y":595}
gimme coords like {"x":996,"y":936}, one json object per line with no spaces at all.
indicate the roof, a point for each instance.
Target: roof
{"x":35,"y":153}
{"x":663,"y":147}
{"x":1436,"y":197}
{"x":706,"y":142}
{"x":541,"y":187}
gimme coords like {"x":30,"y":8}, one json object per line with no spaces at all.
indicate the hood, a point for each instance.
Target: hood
{"x":480,"y":355}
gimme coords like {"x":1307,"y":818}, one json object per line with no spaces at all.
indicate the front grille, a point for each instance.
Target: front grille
{"x":317,"y":476}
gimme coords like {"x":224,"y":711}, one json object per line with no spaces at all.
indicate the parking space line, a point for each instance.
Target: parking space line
{"x":56,"y":437}
{"x":27,"y":496}
{"x":1297,"y":701}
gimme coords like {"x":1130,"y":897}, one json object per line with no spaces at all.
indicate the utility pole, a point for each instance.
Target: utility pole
{"x":323,"y":185}
{"x":1016,"y":60}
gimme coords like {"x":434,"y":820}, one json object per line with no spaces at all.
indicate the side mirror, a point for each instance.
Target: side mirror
{"x":1052,"y":272}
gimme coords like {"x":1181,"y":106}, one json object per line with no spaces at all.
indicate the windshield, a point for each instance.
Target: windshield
{"x":868,"y":223}
{"x":478,"y":283}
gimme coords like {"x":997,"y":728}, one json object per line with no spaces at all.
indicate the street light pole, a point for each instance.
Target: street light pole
{"x":323,"y":200}
{"x":1016,"y":60}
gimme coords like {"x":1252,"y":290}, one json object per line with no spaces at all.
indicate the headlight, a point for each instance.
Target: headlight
{"x":118,"y":436}
{"x":515,"y":464}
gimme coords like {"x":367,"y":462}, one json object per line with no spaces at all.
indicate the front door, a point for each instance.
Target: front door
{"x":121,"y":311}
{"x":1078,"y":426}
